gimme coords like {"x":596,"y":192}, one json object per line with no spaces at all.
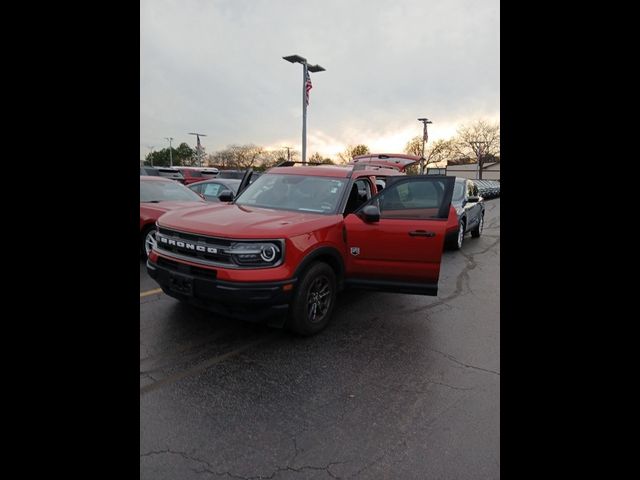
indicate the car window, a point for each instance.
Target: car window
{"x":158,"y":191}
{"x":196,"y":188}
{"x":212,"y":189}
{"x":469,"y":188}
{"x":294,"y":192}
{"x":458,"y":191}
{"x":412,"y":199}
{"x":359,"y":194}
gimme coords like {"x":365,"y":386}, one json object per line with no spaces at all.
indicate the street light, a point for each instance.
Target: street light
{"x":305,"y":68}
{"x":425,"y":137}
{"x":170,"y":154}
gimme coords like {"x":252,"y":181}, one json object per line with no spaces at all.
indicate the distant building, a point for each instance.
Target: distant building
{"x":490,"y":170}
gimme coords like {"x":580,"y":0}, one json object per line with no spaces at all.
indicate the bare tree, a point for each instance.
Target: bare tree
{"x":481,"y":140}
{"x":317,"y":158}
{"x":351,"y":152}
{"x":435,"y":152}
{"x":414,"y":146}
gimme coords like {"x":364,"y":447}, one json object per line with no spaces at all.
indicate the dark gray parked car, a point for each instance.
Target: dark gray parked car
{"x":469,"y":207}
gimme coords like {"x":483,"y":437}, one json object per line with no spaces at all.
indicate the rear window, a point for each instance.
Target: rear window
{"x":162,"y":191}
{"x":230,"y":174}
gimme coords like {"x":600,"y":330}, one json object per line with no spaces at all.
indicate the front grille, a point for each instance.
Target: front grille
{"x":183,"y":268}
{"x":197,"y":247}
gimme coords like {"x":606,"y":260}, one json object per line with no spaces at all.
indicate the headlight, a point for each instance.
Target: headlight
{"x":257,"y":254}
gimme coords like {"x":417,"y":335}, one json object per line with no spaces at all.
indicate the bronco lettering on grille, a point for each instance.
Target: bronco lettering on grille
{"x":186,"y":245}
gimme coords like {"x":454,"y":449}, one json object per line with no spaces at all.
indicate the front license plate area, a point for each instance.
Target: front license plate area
{"x":180,"y":284}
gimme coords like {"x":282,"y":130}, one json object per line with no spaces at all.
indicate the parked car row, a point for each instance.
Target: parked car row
{"x":184,"y":175}
{"x":191,"y":175}
{"x":488,"y":188}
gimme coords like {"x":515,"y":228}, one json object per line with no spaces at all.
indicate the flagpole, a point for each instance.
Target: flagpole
{"x":424,"y":121}
{"x":305,"y":69}
{"x":304,"y":113}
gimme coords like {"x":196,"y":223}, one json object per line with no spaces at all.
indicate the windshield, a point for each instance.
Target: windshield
{"x":458,"y":192}
{"x":232,"y":185}
{"x":294,"y":192}
{"x":151,"y":191}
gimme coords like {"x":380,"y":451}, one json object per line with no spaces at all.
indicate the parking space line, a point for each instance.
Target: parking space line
{"x":150,"y":292}
{"x":206,"y":364}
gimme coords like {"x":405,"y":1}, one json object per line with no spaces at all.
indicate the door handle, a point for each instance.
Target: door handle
{"x":422,"y":233}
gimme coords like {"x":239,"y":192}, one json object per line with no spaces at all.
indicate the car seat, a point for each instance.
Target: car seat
{"x":354,"y":200}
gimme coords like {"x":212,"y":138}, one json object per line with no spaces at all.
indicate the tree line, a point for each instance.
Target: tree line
{"x":478,"y":141}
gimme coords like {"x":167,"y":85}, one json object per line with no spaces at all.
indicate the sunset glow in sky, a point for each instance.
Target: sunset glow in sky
{"x":216,"y":67}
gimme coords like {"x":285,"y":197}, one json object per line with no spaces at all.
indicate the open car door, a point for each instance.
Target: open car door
{"x":246,"y":179}
{"x":395,"y":240}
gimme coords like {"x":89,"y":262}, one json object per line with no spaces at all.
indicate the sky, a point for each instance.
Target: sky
{"x":216,"y":67}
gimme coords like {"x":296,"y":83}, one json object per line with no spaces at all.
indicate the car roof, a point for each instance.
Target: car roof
{"x":338,"y":171}
{"x":230,"y":181}
{"x":314,"y":170}
{"x":147,"y":178}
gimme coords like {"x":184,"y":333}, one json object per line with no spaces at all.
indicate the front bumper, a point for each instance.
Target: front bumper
{"x":249,"y":301}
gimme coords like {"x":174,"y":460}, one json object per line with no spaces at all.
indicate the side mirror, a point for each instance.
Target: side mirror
{"x":473,"y":199}
{"x":370,"y":214}
{"x":226,"y":196}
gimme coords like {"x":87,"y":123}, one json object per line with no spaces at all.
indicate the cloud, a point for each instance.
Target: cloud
{"x":216,"y":67}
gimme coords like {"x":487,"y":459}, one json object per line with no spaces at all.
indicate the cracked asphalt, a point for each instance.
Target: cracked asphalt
{"x":398,"y":386}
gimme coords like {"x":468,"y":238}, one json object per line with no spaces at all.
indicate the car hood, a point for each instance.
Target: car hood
{"x":235,"y":221}
{"x":162,"y":207}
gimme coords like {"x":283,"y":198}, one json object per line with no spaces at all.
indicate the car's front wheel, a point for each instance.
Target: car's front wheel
{"x":313,"y":300}
{"x":147,"y":241}
{"x":457,"y":244}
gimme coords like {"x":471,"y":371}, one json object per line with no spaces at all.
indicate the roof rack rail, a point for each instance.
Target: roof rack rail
{"x":291,"y":163}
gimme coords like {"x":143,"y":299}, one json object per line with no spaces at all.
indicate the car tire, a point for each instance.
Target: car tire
{"x":456,"y":242}
{"x":144,"y":240}
{"x":476,"y":232}
{"x":313,"y":300}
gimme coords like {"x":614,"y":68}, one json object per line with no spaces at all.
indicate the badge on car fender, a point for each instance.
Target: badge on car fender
{"x":355,"y":251}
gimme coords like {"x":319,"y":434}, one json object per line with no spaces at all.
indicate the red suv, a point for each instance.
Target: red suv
{"x":290,"y":241}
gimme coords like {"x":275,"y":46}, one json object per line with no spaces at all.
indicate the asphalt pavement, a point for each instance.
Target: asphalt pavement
{"x":398,"y":386}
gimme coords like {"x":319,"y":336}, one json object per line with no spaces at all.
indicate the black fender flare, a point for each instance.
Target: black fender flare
{"x":329,"y":253}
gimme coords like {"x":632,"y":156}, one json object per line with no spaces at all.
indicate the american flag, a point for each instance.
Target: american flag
{"x":307,"y":88}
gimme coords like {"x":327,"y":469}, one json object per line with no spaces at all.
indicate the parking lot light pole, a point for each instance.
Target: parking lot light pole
{"x":305,"y":68}
{"x":170,"y":154}
{"x":425,"y":137}
{"x":151,"y":147}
